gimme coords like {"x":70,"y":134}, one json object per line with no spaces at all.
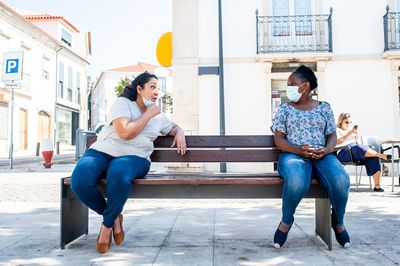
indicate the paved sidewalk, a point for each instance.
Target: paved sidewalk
{"x":24,"y":158}
{"x":191,"y":232}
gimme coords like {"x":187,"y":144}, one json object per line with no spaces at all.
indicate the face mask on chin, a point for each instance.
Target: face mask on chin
{"x":292,"y":92}
{"x":146,"y":102}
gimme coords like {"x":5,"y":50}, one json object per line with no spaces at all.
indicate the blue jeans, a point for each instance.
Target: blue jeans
{"x":372,"y":164}
{"x":297,"y":173}
{"x":119,"y":173}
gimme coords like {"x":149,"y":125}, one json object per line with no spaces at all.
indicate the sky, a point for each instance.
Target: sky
{"x":123,"y":32}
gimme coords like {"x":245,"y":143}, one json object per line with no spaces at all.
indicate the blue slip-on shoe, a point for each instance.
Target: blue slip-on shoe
{"x":343,"y":237}
{"x":280,"y":237}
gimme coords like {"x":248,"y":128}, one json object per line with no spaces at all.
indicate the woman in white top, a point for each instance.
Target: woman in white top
{"x":122,"y":153}
{"x":349,"y":137}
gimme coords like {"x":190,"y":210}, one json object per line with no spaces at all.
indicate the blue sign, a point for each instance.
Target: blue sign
{"x":12,"y":66}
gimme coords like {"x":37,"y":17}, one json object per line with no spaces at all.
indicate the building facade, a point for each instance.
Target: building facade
{"x":72,"y":86}
{"x":354,"y":52}
{"x":37,"y":102}
{"x":103,"y":93}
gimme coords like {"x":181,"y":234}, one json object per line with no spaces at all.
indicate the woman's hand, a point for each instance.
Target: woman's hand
{"x":153,"y":110}
{"x":351,"y":132}
{"x":319,"y":153}
{"x":179,"y":139}
{"x":180,"y":142}
{"x":304,"y":151}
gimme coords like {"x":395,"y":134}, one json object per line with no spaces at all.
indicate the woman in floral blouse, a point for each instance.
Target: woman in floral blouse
{"x":305,"y":131}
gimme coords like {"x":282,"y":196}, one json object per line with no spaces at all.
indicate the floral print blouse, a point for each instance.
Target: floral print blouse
{"x":309,"y":127}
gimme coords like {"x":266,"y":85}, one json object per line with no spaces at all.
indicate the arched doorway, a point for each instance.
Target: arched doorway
{"x":44,"y":126}
{"x":23,"y":129}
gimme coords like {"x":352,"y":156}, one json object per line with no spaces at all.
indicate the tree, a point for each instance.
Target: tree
{"x":121,"y":85}
{"x":167,"y":102}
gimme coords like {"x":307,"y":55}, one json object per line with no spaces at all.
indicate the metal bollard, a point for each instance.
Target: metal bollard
{"x":57,"y":147}
{"x":78,"y":143}
{"x":37,"y":148}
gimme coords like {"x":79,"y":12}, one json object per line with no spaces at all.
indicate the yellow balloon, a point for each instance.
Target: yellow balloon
{"x":164,"y":49}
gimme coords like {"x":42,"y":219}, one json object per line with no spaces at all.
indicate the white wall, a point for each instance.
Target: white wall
{"x":239,"y":28}
{"x":363,"y":88}
{"x":357,"y":26}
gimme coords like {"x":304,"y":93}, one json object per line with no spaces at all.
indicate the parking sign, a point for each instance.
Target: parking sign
{"x":12,"y":66}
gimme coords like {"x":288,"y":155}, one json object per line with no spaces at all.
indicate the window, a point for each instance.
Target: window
{"x":45,"y":74}
{"x":66,"y":37}
{"x":61,"y":81}
{"x":301,"y":9}
{"x":3,"y":120}
{"x":78,"y":88}
{"x":281,"y":25}
{"x":162,"y":85}
{"x":69,"y":85}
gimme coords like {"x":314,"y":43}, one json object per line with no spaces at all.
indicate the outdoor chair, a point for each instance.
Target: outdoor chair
{"x":374,"y":143}
{"x":355,"y":163}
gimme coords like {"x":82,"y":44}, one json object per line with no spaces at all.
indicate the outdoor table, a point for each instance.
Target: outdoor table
{"x":392,"y":143}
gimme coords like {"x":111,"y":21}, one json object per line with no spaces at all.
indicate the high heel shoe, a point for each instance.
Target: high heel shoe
{"x":343,"y":237}
{"x":280,"y":237}
{"x":119,"y":237}
{"x":103,"y":247}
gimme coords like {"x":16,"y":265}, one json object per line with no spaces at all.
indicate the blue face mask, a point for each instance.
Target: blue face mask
{"x":292,"y":92}
{"x":146,"y":102}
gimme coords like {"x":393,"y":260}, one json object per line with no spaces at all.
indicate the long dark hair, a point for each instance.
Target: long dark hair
{"x":130,"y":90}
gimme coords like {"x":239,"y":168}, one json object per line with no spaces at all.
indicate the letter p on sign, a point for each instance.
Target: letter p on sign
{"x":12,"y":66}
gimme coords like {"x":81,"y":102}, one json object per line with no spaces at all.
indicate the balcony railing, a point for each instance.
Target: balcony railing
{"x":78,"y":96}
{"x":391,"y":30}
{"x":300,"y":33}
{"x":69,"y":94}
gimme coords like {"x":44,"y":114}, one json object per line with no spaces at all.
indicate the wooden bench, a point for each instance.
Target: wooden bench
{"x":178,"y":185}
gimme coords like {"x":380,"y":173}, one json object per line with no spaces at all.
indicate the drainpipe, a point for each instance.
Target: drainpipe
{"x":55,"y":103}
{"x":221,"y":82}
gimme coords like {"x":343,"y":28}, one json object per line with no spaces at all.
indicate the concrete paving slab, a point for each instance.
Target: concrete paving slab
{"x":186,"y":255}
{"x":248,"y":253}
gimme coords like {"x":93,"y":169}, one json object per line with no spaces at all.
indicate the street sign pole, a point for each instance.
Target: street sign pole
{"x":12,"y":127}
{"x":12,"y":71}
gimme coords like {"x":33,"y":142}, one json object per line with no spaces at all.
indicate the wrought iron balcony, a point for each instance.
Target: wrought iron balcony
{"x":69,"y":94}
{"x":300,"y":33}
{"x":391,"y":30}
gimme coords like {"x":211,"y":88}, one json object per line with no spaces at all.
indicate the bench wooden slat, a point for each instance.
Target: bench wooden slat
{"x":216,"y":156}
{"x":172,"y":174}
{"x":203,"y":181}
{"x":232,"y":141}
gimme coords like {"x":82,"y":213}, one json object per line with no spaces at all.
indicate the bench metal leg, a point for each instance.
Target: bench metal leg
{"x":74,"y":216}
{"x":323,"y":220}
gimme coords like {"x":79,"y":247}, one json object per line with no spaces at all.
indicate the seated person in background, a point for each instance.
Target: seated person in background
{"x":349,"y":137}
